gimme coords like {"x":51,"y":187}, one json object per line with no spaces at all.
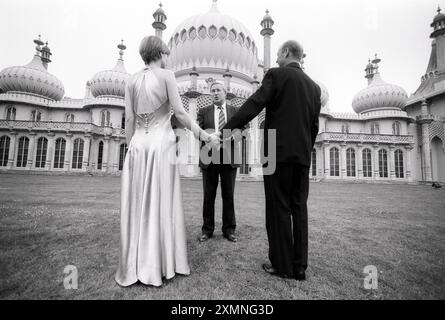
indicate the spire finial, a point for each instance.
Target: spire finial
{"x":438,"y":9}
{"x":214,"y":7}
{"x":121,"y":48}
{"x":267,"y":11}
{"x":160,"y":4}
{"x":39,"y":43}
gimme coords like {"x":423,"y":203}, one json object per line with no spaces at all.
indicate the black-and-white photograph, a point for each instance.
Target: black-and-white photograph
{"x":222,"y":150}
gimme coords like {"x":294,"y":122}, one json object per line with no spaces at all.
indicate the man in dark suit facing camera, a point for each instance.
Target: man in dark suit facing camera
{"x":292,"y":102}
{"x":224,"y":162}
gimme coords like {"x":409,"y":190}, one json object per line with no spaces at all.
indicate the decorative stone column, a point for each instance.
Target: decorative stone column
{"x":115,"y":154}
{"x":392,"y":162}
{"x":51,"y":150}
{"x":31,"y":150}
{"x":68,"y":152}
{"x":326,"y":159}
{"x":12,"y":160}
{"x":408,"y":162}
{"x":105,"y":154}
{"x":343,"y":160}
{"x":424,"y":120}
{"x":359,"y":161}
{"x":86,"y":153}
{"x":375,"y":165}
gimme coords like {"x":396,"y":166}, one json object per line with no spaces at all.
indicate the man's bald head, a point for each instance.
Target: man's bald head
{"x":290,"y":51}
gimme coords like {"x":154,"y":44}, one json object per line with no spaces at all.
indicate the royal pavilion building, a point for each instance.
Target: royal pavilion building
{"x":390,"y":137}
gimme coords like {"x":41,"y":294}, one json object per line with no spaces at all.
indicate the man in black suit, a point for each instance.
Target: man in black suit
{"x":224,"y":162}
{"x":292,"y":102}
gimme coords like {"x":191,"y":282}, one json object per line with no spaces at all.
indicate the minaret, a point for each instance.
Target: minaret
{"x":372,"y":68}
{"x":227,"y":77}
{"x":159,"y":24}
{"x":438,"y":35}
{"x":45,"y":55}
{"x":120,"y":62}
{"x":267,"y":32}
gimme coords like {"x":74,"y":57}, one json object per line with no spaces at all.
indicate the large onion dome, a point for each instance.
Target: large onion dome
{"x":33,"y":78}
{"x":111,"y":82}
{"x":379,"y":94}
{"x":213,"y":40}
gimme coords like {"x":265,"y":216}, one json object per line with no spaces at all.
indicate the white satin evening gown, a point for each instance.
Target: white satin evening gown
{"x":153,"y":238}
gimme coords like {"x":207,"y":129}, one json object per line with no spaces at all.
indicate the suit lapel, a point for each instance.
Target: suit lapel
{"x":211,"y":118}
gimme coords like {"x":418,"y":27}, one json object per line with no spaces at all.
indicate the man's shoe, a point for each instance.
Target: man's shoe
{"x":300,"y":275}
{"x":204,"y":238}
{"x":231,"y":237}
{"x":269,"y":269}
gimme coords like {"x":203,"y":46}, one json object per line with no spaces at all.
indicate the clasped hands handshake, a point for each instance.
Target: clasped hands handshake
{"x":215,"y":139}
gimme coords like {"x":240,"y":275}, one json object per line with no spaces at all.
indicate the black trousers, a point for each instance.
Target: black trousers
{"x":286,"y":217}
{"x":210,"y":177}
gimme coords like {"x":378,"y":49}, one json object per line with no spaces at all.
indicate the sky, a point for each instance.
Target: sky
{"x":338,"y":36}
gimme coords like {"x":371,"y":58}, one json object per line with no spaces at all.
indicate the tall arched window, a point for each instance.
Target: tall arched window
{"x":345,"y":128}
{"x":122,"y":151}
{"x":105,"y":118}
{"x":4,"y":150}
{"x":314,"y":162}
{"x":396,"y":128}
{"x":36,"y":115}
{"x":10,"y":113}
{"x":123,"y":121}
{"x":69,"y":117}
{"x":100,"y":155}
{"x":334,"y":162}
{"x":42,"y":147}
{"x":59,"y":155}
{"x":383,"y":163}
{"x":375,"y":128}
{"x":350,"y":162}
{"x":398,"y":155}
{"x":367,"y":164}
{"x":22,"y":154}
{"x":77,"y":154}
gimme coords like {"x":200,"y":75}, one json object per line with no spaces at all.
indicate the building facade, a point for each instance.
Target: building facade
{"x":390,"y":137}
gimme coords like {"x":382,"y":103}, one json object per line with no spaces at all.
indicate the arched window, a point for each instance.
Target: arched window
{"x":375,"y":128}
{"x":59,"y":154}
{"x":334,"y":162}
{"x":22,"y":154}
{"x":77,"y":154}
{"x":398,"y":155}
{"x":100,"y":155}
{"x":345,"y":128}
{"x":10,"y":113}
{"x":202,"y":32}
{"x":350,"y":162}
{"x":241,"y":38}
{"x":122,"y":152}
{"x":36,"y":115}
{"x":314,"y":162}
{"x":192,"y":33}
{"x":4,"y":150}
{"x":183,"y":35}
{"x":213,"y":32}
{"x":222,"y":33}
{"x":396,"y":128}
{"x":367,"y":164}
{"x":232,"y":35}
{"x":69,"y":117}
{"x":123,"y":121}
{"x":383,"y":163}
{"x":42,"y":147}
{"x":105,"y":118}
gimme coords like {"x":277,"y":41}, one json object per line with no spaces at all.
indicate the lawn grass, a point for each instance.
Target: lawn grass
{"x":48,"y":222}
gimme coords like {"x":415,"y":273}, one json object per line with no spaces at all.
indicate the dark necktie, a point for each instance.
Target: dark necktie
{"x":222,"y":119}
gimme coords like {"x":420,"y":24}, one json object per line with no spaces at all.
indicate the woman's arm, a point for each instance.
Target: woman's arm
{"x":129,"y":113}
{"x":180,"y":113}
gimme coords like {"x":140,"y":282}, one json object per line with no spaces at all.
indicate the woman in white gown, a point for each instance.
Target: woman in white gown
{"x":153,"y":239}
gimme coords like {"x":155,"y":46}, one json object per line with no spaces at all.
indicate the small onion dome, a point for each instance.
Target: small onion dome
{"x":160,"y":11}
{"x":439,"y":16}
{"x":111,"y":82}
{"x":267,"y":17}
{"x":324,"y":98}
{"x":379,"y":95}
{"x":32,"y":78}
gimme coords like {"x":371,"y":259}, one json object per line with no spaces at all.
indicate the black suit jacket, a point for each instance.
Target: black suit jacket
{"x":292,"y":102}
{"x":206,"y":121}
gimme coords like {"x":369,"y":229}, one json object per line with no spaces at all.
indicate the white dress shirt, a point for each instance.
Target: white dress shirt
{"x":216,"y":116}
